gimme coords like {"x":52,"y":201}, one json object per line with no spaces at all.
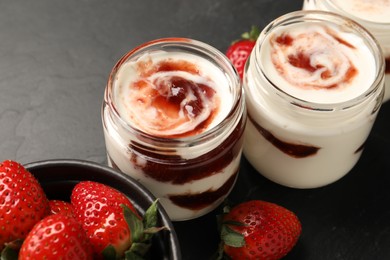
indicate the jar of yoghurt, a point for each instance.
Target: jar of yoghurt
{"x":174,"y":116}
{"x":374,"y":15}
{"x":313,"y":84}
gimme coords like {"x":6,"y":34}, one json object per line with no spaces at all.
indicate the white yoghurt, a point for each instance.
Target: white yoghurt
{"x":377,"y":11}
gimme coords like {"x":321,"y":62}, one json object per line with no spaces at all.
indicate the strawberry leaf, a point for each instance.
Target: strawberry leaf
{"x":150,"y":217}
{"x":109,"y":252}
{"x":150,"y":221}
{"x":252,"y":35}
{"x":154,"y":230}
{"x":231,"y":237}
{"x":129,"y":255}
{"x":141,"y":230}
{"x":226,"y":208}
{"x":140,"y":248}
{"x":136,"y":226}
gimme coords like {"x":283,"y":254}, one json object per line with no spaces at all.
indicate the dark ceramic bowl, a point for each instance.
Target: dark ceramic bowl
{"x":58,"y":178}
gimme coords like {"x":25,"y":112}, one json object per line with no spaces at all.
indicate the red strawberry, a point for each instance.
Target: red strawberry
{"x":22,"y":202}
{"x":259,"y":230}
{"x":61,"y":207}
{"x":239,"y":51}
{"x":110,"y":220}
{"x":56,"y":237}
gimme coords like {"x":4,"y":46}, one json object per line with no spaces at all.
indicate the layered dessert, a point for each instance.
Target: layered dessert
{"x":374,"y":15}
{"x":174,"y":121}
{"x":313,"y":88}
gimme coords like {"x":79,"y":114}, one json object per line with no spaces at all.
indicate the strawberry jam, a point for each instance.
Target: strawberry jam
{"x":177,"y":101}
{"x":310,"y":60}
{"x":294,"y":150}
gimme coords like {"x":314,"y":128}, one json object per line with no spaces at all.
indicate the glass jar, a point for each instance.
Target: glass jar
{"x":373,"y":15}
{"x":174,"y":117}
{"x":313,"y":85}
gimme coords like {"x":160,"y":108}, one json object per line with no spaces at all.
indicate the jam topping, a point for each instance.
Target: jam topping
{"x":198,"y":201}
{"x":177,"y":170}
{"x":361,"y":148}
{"x":316,"y":58}
{"x":171,"y":98}
{"x":292,"y":149}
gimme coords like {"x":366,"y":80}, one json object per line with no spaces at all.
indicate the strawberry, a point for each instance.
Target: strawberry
{"x":239,"y":51}
{"x":111,"y":221}
{"x":259,"y":230}
{"x":56,"y":237}
{"x":61,"y":207}
{"x":22,"y":202}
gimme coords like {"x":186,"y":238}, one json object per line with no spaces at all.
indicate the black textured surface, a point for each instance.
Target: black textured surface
{"x":55,"y":57}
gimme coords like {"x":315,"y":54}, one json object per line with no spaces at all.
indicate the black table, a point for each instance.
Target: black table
{"x":55,"y":57}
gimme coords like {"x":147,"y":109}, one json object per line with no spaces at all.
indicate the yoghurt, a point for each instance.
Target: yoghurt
{"x":314,"y":84}
{"x":377,"y":11}
{"x":173,"y":119}
{"x":374,"y":15}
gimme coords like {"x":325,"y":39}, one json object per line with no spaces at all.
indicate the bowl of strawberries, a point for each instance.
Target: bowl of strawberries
{"x":81,"y":210}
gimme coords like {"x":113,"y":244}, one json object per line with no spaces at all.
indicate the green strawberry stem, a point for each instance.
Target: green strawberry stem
{"x":150,"y":220}
{"x":109,"y":253}
{"x":227,"y":235}
{"x":132,"y":256}
{"x":252,"y":35}
{"x":231,"y":237}
{"x":139,"y":248}
{"x":141,"y":231}
{"x":136,"y":225}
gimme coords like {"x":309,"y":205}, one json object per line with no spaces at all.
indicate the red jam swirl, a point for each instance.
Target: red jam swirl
{"x":291,"y":149}
{"x":201,"y":200}
{"x":313,"y":59}
{"x":181,"y":107}
{"x":177,"y":170}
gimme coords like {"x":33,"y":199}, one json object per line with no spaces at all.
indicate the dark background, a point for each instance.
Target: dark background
{"x":55,"y":58}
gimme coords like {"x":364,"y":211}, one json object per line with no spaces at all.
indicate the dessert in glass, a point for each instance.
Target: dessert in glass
{"x":313,"y":84}
{"x":374,"y":15}
{"x":173,"y":118}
